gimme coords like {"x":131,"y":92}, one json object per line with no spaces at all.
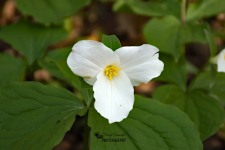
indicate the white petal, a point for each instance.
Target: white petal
{"x":89,"y":80}
{"x":113,"y":99}
{"x":140,"y":63}
{"x":88,"y":58}
{"x":221,"y":61}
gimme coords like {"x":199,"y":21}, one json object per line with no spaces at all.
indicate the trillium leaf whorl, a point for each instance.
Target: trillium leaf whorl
{"x":113,"y":74}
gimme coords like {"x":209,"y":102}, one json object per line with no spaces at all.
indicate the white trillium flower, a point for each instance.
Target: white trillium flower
{"x":113,"y":74}
{"x":221,"y":61}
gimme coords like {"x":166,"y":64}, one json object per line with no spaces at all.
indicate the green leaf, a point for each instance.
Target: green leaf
{"x":191,"y":68}
{"x":111,"y":41}
{"x":31,"y":40}
{"x":121,"y":6}
{"x":170,"y":35}
{"x":12,"y":69}
{"x":151,"y":8}
{"x":204,"y":110}
{"x":164,"y":34}
{"x":211,"y":41}
{"x":214,"y":87}
{"x":48,"y":11}
{"x":174,"y":71}
{"x":202,"y":82}
{"x":55,"y":63}
{"x":87,"y":92}
{"x":205,"y":8}
{"x":218,"y":87}
{"x":149,"y":125}
{"x":35,"y":116}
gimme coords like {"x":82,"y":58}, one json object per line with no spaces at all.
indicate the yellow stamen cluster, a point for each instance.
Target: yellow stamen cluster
{"x":224,"y":56}
{"x":111,"y":71}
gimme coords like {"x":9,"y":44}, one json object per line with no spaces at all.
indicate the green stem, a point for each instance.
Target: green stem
{"x":86,"y":134}
{"x":183,"y":11}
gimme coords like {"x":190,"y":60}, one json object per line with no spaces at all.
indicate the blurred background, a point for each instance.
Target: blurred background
{"x":35,"y":32}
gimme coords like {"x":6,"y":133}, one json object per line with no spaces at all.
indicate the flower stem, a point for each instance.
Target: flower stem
{"x":183,"y":11}
{"x":86,"y":134}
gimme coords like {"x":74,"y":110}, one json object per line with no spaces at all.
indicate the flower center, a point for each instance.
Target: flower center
{"x":111,"y":71}
{"x":224,"y":56}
